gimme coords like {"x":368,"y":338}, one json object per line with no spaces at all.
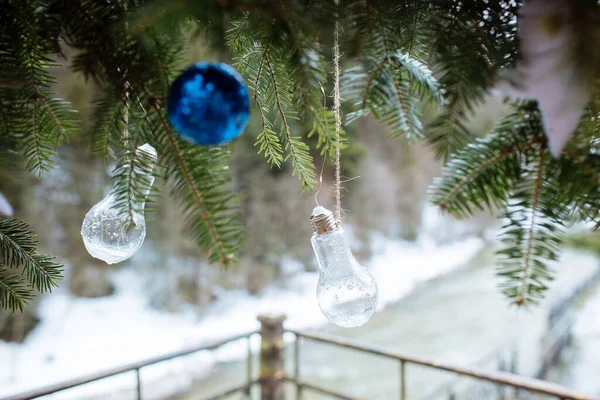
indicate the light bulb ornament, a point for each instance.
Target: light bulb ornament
{"x":108,"y":233}
{"x":347,"y":293}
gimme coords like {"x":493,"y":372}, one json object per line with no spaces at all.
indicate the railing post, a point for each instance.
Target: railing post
{"x":248,"y":390}
{"x":297,"y":367}
{"x":139,"y":384}
{"x":514,"y":366}
{"x":402,"y":380}
{"x":272,"y":370}
{"x":501,"y":388}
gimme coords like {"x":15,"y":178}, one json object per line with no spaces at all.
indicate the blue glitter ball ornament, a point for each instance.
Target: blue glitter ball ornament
{"x":208,"y":104}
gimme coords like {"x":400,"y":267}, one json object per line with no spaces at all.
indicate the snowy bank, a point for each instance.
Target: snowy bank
{"x":78,"y":336}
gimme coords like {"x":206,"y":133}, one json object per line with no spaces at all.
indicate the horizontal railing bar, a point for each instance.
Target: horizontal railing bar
{"x":530,"y":384}
{"x":122,"y":369}
{"x":229,"y":392}
{"x":319,"y":389}
{"x":447,"y":385}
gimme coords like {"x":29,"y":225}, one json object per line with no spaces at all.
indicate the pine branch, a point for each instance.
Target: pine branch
{"x":18,"y":248}
{"x":52,"y":107}
{"x":578,"y":179}
{"x":199,"y":180}
{"x":405,"y":115}
{"x":531,"y":239}
{"x":391,"y":84}
{"x":107,"y":126}
{"x":371,"y":78}
{"x":483,"y":174}
{"x":132,"y":176}
{"x":509,"y":170}
{"x":465,"y":48}
{"x":10,"y":165}
{"x":15,"y":293}
{"x":385,"y":95}
{"x":525,"y":280}
{"x":269,"y":144}
{"x":323,"y":125}
{"x":50,"y":122}
{"x":583,"y":163}
{"x":237,"y":38}
{"x":38,"y":120}
{"x":593,"y":114}
{"x":133,"y":179}
{"x":298,"y":150}
{"x":267,"y":67}
{"x":447,"y":133}
{"x":7,"y":115}
{"x":311,"y":77}
{"x":422,"y":77}
{"x":38,"y":160}
{"x":267,"y":140}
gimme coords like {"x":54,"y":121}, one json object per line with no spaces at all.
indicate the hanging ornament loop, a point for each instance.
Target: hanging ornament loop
{"x":338,"y":117}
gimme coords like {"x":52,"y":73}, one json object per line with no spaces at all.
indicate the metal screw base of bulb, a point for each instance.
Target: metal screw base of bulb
{"x":322,"y":220}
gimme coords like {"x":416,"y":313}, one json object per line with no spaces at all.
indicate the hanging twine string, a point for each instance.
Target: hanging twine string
{"x":337,"y":186}
{"x":126,"y":99}
{"x":126,"y":117}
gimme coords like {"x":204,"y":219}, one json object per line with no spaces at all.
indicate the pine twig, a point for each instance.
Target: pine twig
{"x":521,"y":299}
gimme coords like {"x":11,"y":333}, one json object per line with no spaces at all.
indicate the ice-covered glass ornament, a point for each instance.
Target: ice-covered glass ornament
{"x":208,"y":104}
{"x":346,"y":292}
{"x":110,"y":235}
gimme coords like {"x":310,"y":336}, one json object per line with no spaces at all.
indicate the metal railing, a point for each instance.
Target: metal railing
{"x":273,"y":377}
{"x":505,"y":358}
{"x":137,"y":366}
{"x":502,"y":378}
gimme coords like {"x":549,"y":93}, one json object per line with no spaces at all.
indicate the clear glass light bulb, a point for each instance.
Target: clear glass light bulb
{"x":108,"y":234}
{"x":347,"y":293}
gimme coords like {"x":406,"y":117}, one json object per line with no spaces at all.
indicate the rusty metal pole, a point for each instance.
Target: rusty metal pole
{"x":272,"y":369}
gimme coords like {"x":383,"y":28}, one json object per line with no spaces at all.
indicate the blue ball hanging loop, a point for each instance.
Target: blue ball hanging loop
{"x":208,"y":104}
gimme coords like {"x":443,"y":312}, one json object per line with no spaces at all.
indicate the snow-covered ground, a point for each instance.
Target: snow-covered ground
{"x":78,"y":336}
